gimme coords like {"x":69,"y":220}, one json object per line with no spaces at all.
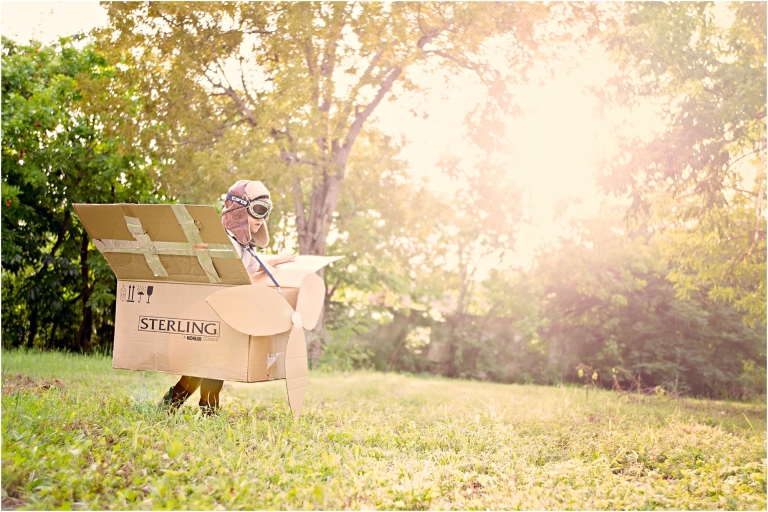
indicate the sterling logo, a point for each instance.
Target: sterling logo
{"x":195,"y":330}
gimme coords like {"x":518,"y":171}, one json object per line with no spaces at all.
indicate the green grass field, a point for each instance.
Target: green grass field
{"x":77,"y":434}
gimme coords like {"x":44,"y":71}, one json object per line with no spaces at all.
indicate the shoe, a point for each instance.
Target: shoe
{"x":167,"y":400}
{"x":169,"y":403}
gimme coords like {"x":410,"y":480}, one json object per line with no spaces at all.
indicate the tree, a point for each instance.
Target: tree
{"x":57,"y":288}
{"x":282,"y":91}
{"x":479,"y":223}
{"x":286,"y":88}
{"x":384,"y":226}
{"x":703,"y":177}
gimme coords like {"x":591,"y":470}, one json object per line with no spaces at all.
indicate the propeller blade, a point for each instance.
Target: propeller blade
{"x":310,"y":300}
{"x":296,"y":369}
{"x":252,"y":309}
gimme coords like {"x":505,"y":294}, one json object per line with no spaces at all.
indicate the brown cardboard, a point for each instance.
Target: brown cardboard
{"x":296,"y":370}
{"x":286,"y":278}
{"x":266,"y":359}
{"x":185,"y":304}
{"x":256,"y":309}
{"x":107,"y":224}
{"x":310,"y":301}
{"x":197,"y":343}
{"x":309,"y":263}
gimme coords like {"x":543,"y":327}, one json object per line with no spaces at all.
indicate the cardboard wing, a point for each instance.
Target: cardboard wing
{"x":185,"y":304}
{"x":243,"y":308}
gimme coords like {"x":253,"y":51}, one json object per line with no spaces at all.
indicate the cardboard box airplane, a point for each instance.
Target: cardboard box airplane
{"x":185,"y":304}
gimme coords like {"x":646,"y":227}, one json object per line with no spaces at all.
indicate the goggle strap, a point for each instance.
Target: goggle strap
{"x":250,"y":250}
{"x":238,"y":200}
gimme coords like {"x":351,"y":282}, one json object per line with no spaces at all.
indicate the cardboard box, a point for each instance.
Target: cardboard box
{"x":185,"y":304}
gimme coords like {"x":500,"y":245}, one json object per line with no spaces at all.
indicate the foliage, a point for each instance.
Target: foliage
{"x":479,"y":226}
{"x":608,"y":303}
{"x":600,"y":299}
{"x":704,"y":175}
{"x":58,"y":291}
{"x":384,"y":227}
{"x":95,"y":440}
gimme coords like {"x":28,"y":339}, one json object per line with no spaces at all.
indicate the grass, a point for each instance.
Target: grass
{"x":77,"y":434}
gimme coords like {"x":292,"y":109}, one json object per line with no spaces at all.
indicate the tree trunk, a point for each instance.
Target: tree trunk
{"x":32,"y":328}
{"x":313,"y":232}
{"x":313,"y":229}
{"x":86,"y":324}
{"x":326,"y":187}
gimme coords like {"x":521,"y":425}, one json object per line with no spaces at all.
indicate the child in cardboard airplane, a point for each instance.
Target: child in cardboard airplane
{"x":245,"y":214}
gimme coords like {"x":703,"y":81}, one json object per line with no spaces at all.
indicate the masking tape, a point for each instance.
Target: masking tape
{"x":145,"y":246}
{"x":166,"y":248}
{"x":152,"y":250}
{"x":193,"y":235}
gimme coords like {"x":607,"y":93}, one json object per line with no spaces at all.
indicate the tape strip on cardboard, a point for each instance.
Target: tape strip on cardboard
{"x":166,"y":248}
{"x":153,"y":249}
{"x":145,"y":246}
{"x":193,"y":236}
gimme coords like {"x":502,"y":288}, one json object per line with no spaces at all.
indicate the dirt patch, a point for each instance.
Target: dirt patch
{"x":10,"y":503}
{"x":18,"y":383}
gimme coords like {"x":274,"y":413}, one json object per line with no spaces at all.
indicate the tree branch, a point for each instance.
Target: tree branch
{"x":245,"y":86}
{"x":365,"y":79}
{"x":329,"y":63}
{"x":360,"y":118}
{"x":249,"y":116}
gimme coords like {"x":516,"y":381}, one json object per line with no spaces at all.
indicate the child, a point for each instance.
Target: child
{"x":245,"y":214}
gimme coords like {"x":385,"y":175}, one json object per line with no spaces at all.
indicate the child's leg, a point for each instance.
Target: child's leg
{"x":181,"y":391}
{"x":209,"y":394}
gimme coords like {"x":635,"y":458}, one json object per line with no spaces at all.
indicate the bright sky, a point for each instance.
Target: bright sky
{"x":555,"y":145}
{"x":46,"y":21}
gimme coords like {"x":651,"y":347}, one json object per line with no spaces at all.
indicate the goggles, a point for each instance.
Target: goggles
{"x":258,"y":208}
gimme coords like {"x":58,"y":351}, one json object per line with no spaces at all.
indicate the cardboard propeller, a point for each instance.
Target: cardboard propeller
{"x":260,"y":310}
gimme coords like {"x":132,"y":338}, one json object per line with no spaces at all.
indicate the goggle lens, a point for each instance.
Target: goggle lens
{"x":259,"y":209}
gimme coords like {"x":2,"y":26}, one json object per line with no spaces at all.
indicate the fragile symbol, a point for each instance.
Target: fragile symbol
{"x":149,"y":292}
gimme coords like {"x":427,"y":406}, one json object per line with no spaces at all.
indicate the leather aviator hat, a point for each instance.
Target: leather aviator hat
{"x":234,"y":217}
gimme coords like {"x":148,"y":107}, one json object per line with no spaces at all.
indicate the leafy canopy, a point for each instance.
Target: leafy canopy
{"x":57,"y":288}
{"x":703,"y":177}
